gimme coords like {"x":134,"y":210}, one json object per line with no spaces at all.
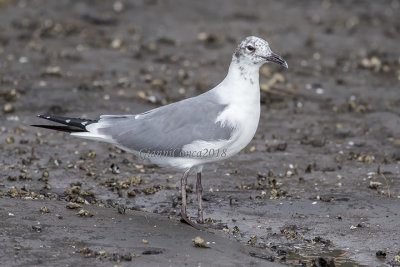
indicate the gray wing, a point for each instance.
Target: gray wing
{"x":169,"y":127}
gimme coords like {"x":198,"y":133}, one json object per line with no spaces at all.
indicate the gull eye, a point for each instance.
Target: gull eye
{"x":250,"y":48}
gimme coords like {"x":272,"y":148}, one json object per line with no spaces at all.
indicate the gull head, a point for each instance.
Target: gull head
{"x":255,"y":51}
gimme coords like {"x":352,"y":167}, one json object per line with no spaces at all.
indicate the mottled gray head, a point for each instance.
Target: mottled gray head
{"x":254,"y":50}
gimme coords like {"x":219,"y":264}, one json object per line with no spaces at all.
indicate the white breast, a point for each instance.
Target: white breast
{"x":242,"y":95}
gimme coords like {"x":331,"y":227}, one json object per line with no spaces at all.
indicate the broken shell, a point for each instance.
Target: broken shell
{"x":209,"y":220}
{"x":47,"y":186}
{"x":151,"y":190}
{"x":235,"y":229}
{"x":14,"y":192}
{"x":52,"y":70}
{"x":44,"y":210}
{"x":374,"y":185}
{"x":84,"y":213}
{"x":381,"y":254}
{"x":199,"y":242}
{"x":72,"y":205}
{"x":114,"y":169}
{"x":37,"y":228}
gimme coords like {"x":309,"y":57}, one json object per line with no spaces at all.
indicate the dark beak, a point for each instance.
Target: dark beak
{"x":276,"y":59}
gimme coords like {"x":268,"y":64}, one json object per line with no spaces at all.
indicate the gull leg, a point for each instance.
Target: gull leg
{"x":184,"y":216}
{"x":199,"y":191}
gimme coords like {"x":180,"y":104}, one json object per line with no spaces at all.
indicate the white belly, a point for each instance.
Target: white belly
{"x":246,"y":122}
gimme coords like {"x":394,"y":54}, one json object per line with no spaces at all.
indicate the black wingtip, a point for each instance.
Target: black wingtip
{"x":62,"y":128}
{"x":72,"y":122}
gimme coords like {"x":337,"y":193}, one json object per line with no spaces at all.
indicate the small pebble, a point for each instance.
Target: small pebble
{"x":8,"y":108}
{"x":118,"y":6}
{"x":116,"y":43}
{"x":121,"y":209}
{"x":131,"y":194}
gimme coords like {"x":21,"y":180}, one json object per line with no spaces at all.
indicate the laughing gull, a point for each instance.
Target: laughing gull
{"x":190,"y":133}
